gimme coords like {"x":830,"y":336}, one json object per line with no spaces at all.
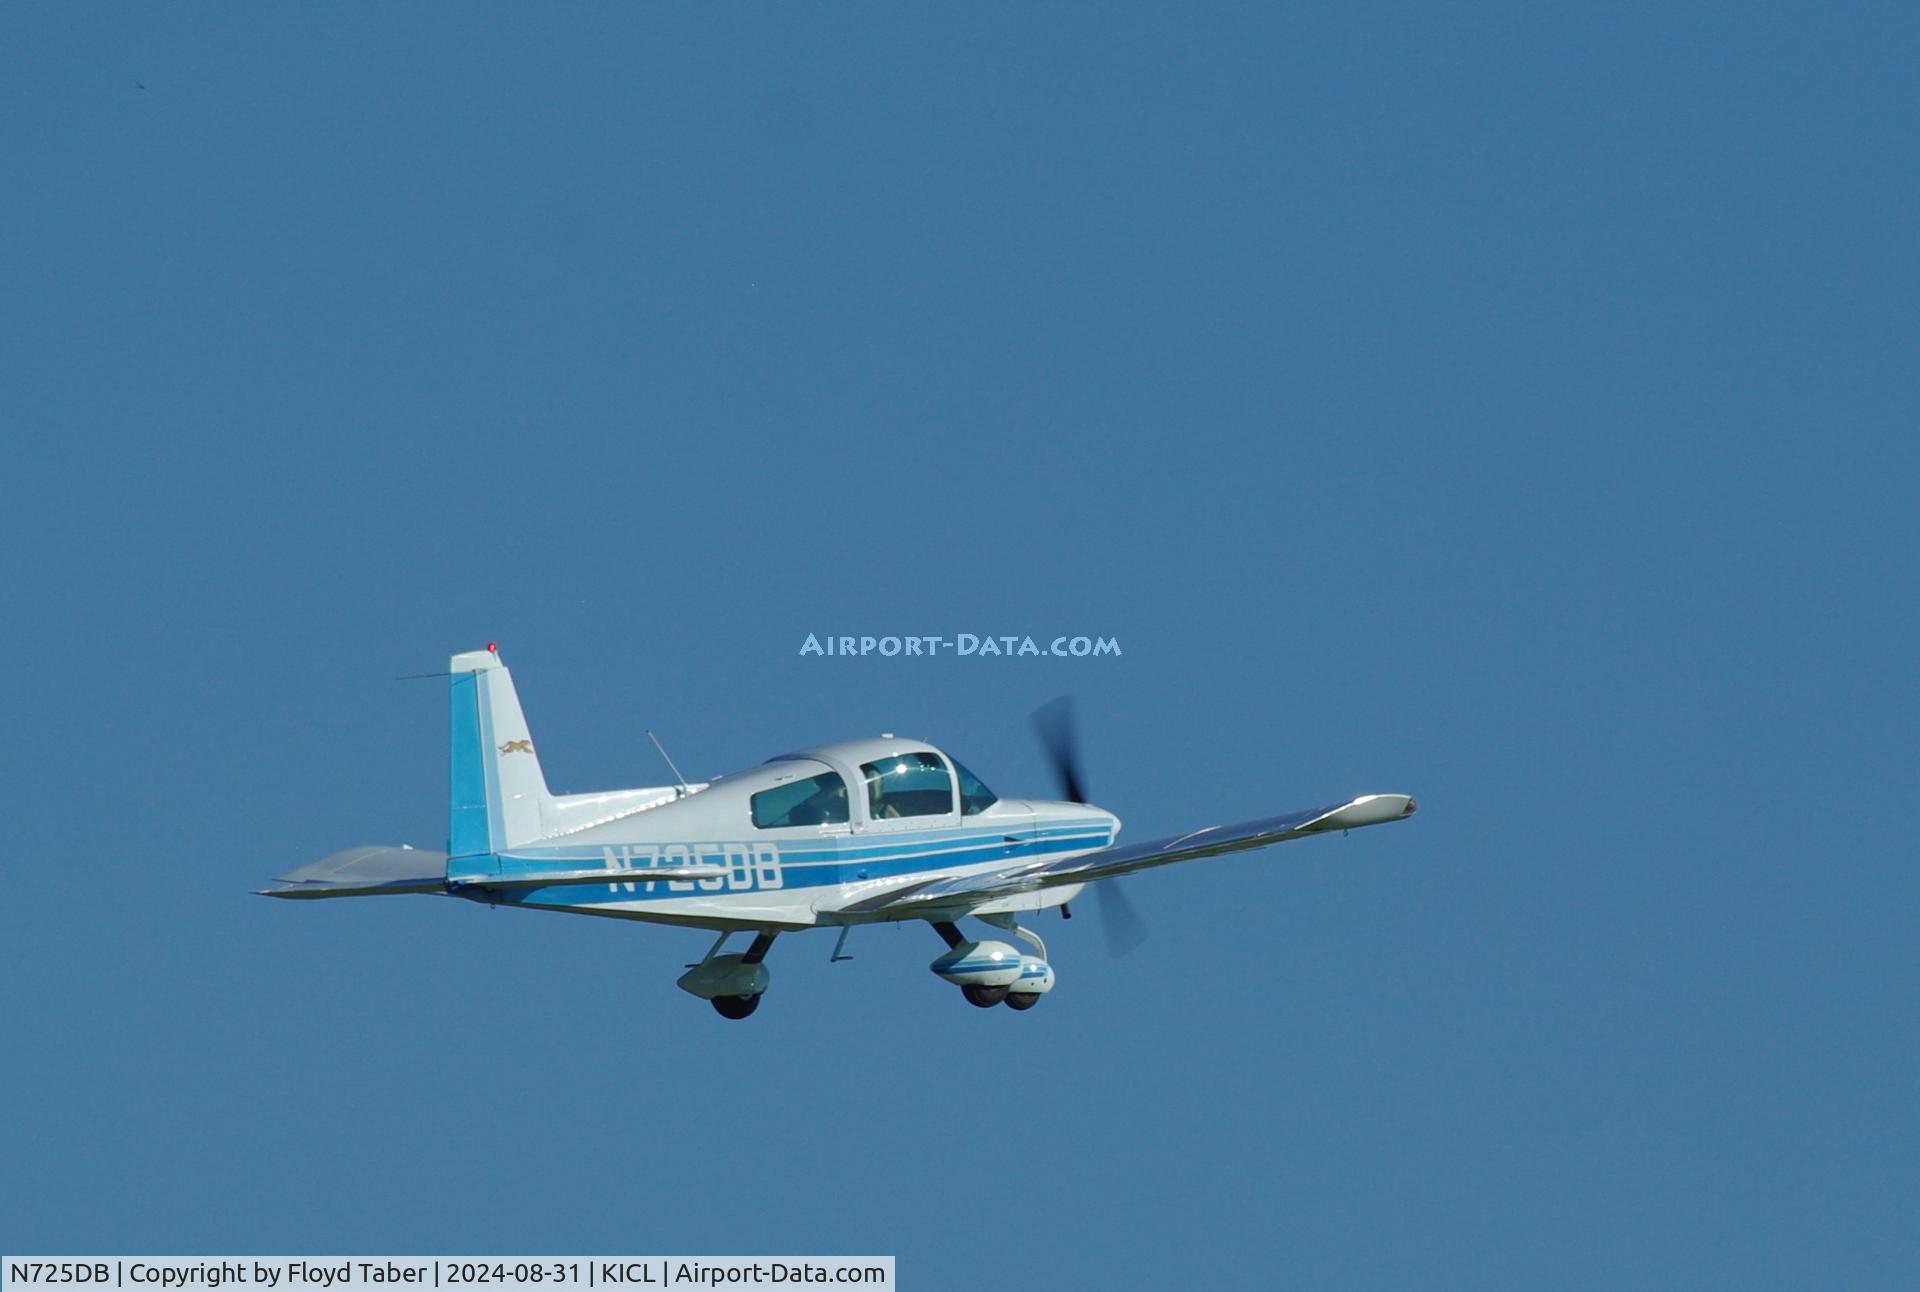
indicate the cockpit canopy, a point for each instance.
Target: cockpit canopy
{"x":916,"y":783}
{"x":895,"y":779}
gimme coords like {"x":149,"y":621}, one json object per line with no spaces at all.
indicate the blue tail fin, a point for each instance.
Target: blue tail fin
{"x":499,"y":796}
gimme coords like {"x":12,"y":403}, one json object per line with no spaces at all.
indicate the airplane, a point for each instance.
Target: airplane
{"x":859,"y":832}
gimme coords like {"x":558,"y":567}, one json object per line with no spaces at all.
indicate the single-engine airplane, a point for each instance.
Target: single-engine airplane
{"x":858,"y":832}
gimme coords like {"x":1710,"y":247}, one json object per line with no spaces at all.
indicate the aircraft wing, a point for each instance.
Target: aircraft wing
{"x":1368,"y":809}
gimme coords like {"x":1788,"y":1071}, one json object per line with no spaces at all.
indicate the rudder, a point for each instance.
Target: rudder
{"x":499,"y":795}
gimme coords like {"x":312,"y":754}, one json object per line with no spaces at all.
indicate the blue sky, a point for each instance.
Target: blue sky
{"x":1509,"y":406}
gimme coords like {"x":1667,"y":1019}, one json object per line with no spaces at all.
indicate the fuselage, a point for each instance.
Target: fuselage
{"x":803,"y":840}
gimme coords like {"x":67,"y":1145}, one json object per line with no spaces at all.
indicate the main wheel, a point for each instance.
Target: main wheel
{"x":984,"y":997}
{"x":736,"y":1006}
{"x":1022,"y":999}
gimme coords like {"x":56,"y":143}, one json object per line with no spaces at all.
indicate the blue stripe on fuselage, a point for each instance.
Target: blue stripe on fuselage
{"x":803,"y":864}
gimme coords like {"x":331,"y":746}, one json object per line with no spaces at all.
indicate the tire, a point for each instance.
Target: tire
{"x":984,"y":997}
{"x":1022,"y":999}
{"x":735,"y":1006}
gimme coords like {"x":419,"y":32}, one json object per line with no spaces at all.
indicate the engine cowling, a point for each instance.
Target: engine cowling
{"x":981,"y":964}
{"x":725,"y":976}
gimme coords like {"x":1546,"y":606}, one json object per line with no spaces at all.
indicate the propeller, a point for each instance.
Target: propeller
{"x":1053,"y":722}
{"x":1122,"y":924}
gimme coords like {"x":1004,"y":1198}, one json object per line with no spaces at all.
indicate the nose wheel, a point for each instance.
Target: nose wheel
{"x":735,"y":1006}
{"x":969,"y":962}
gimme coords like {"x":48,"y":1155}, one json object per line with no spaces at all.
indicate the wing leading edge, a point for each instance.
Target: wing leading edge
{"x":1368,"y":809}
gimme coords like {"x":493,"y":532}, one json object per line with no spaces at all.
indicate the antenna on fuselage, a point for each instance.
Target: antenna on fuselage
{"x":684,"y":791}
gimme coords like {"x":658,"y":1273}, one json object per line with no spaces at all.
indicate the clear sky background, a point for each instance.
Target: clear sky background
{"x":1509,"y":405}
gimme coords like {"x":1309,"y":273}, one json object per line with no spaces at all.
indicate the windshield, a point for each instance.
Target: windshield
{"x":975,"y":797}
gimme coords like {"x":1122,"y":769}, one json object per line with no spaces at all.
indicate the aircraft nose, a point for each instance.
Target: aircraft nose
{"x":1077,"y":815}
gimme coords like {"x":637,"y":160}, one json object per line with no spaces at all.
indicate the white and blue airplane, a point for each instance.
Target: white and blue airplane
{"x":858,"y":832}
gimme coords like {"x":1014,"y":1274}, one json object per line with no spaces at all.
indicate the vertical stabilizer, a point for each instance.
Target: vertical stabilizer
{"x":499,"y":795}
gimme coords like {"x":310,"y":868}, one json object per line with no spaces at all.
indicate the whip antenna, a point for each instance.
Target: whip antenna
{"x":684,"y":791}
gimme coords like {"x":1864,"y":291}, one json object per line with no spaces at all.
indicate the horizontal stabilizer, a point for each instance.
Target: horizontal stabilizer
{"x":366,"y":872}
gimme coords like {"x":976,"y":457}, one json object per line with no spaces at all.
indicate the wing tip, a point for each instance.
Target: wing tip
{"x":1408,"y":805}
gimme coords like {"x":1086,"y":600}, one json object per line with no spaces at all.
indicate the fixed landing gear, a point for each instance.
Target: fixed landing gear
{"x":989,"y":973}
{"x":732,"y":983}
